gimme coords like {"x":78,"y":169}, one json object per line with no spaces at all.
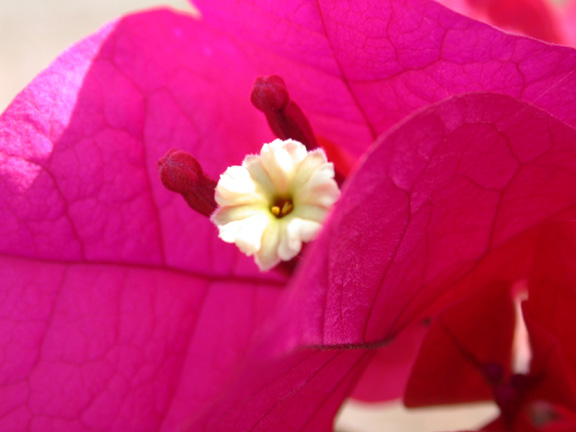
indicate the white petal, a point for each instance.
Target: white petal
{"x":320,"y":189}
{"x":267,"y":257}
{"x":302,"y":229}
{"x":263,"y":182}
{"x":294,"y":233}
{"x":313,"y":161}
{"x":245,"y":233}
{"x":225,"y":215}
{"x":280,"y":159}
{"x":309,"y":212}
{"x":236,"y":187}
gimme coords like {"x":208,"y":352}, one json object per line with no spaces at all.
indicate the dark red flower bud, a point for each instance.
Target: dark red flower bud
{"x":270,"y":94}
{"x":180,"y":172}
{"x":285,"y":118}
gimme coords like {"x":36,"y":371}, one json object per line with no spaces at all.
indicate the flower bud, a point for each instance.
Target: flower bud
{"x":180,"y":172}
{"x":285,"y":118}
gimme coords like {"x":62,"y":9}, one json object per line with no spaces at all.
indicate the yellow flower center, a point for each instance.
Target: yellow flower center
{"x":282,"y":207}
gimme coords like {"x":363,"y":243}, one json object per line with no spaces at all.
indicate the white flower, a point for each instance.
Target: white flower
{"x":275,"y":201}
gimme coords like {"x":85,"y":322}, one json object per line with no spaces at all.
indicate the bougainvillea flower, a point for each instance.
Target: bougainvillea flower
{"x":275,"y":201}
{"x":122,"y":310}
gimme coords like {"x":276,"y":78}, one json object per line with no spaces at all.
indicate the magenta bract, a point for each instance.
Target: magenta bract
{"x":541,"y":19}
{"x":442,"y":207}
{"x":116,"y":297}
{"x":122,"y":311}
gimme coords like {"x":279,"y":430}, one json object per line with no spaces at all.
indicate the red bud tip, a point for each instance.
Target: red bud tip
{"x":270,"y":94}
{"x":286,"y":119}
{"x":180,"y":172}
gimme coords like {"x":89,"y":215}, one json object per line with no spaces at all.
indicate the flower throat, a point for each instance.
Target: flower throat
{"x":282,"y":207}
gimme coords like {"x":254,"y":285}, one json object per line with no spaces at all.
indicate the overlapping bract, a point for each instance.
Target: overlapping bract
{"x":541,"y":19}
{"x":112,"y":285}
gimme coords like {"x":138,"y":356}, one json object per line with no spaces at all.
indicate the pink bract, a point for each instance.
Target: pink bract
{"x":541,"y":19}
{"x":121,"y":309}
{"x":489,"y":151}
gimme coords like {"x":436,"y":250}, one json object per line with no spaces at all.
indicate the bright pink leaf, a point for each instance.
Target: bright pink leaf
{"x":82,"y":211}
{"x":87,"y":134}
{"x":537,"y":18}
{"x":552,"y":299}
{"x":445,"y":204}
{"x":466,"y":351}
{"x":387,"y":374}
{"x":550,"y":308}
{"x":300,"y":391}
{"x":466,"y":355}
{"x":88,"y":346}
{"x":357,"y":68}
{"x":121,"y":310}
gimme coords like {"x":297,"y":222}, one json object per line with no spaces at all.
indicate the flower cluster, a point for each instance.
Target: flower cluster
{"x":122,"y":308}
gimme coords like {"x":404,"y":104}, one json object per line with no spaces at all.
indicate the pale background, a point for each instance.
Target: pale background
{"x":33,"y":32}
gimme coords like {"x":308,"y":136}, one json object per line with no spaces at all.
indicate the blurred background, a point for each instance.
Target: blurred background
{"x":34,"y":32}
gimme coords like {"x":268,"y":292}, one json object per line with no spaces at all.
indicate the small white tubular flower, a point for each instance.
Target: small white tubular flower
{"x":275,"y":201}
